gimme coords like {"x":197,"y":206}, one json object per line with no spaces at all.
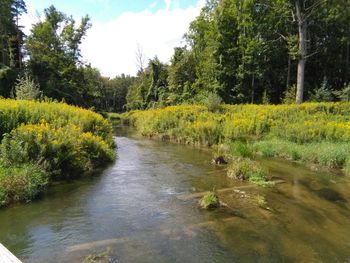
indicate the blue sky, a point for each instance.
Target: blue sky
{"x":104,"y":10}
{"x":119,"y":27}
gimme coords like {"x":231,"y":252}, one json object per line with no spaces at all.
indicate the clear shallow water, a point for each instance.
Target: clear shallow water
{"x":140,"y":209}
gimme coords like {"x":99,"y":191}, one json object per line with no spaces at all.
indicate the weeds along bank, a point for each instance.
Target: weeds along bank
{"x":44,"y":141}
{"x":311,"y":132}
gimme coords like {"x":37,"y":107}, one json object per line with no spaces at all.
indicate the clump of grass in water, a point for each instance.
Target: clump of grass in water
{"x":209,"y":201}
{"x":248,"y":170}
{"x":260,"y":201}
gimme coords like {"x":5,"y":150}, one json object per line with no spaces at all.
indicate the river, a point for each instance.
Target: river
{"x":144,"y":208}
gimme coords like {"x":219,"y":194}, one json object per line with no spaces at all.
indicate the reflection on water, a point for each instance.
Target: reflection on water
{"x":133,"y":212}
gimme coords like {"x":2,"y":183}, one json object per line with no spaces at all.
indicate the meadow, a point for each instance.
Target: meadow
{"x":315,"y":133}
{"x":46,"y":141}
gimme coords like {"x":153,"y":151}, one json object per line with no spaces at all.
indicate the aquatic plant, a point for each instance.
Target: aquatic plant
{"x":209,"y":201}
{"x":248,"y":170}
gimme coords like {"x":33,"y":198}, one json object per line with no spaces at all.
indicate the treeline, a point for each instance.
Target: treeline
{"x":255,"y":51}
{"x":49,"y":59}
{"x":238,"y":51}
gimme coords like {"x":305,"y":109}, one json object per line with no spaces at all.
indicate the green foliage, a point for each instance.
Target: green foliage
{"x":212,"y":102}
{"x":311,"y":132}
{"x":151,"y":90}
{"x":21,"y":183}
{"x":248,"y":170}
{"x":324,"y":93}
{"x":344,"y":94}
{"x":27,"y":89}
{"x":65,"y":151}
{"x":240,"y":149}
{"x":290,"y":95}
{"x":324,"y":153}
{"x":209,"y":201}
{"x":47,"y":140}
{"x":54,"y":55}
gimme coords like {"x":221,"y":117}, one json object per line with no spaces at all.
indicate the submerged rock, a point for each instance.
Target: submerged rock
{"x":330,"y":195}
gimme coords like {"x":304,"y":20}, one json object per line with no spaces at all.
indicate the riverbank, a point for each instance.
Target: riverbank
{"x":47,"y":141}
{"x":314,"y":133}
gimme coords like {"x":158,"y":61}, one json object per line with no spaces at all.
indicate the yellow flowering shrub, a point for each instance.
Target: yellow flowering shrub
{"x":308,"y":122}
{"x":62,"y":151}
{"x":13,"y":113}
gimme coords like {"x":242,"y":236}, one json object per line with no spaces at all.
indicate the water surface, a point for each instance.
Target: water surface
{"x":141,"y":209}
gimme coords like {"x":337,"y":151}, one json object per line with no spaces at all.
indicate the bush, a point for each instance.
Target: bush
{"x":290,"y":95}
{"x":27,"y":89}
{"x":46,"y":140}
{"x":21,"y":183}
{"x":63,"y":151}
{"x":344,"y":94}
{"x":13,"y":113}
{"x":323,"y":93}
{"x":213,"y":102}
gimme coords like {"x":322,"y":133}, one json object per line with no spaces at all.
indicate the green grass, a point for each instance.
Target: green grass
{"x":334,"y":155}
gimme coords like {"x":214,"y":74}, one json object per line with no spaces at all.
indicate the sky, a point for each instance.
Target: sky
{"x":120,"y":27}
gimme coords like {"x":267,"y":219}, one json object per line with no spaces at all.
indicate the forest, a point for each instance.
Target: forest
{"x":260,"y":52}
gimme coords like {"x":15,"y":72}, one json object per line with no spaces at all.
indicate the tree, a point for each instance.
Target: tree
{"x":303,"y":11}
{"x":140,"y":59}
{"x":54,"y":55}
{"x":11,"y":42}
{"x":181,"y":75}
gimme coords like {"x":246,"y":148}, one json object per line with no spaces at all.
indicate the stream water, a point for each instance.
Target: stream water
{"x":144,"y":208}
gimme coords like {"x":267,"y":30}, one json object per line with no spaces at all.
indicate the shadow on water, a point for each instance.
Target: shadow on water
{"x":143,"y":208}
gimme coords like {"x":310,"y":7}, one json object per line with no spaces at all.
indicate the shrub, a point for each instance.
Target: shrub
{"x":27,"y":89}
{"x":344,"y":94}
{"x":13,"y":113}
{"x":63,"y":151}
{"x":213,"y":102}
{"x":323,"y":93}
{"x":290,"y":95}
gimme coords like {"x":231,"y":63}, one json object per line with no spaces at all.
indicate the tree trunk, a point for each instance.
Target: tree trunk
{"x":302,"y":27}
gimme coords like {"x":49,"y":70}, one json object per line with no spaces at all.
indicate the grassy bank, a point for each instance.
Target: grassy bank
{"x":45,"y":141}
{"x":312,"y":132}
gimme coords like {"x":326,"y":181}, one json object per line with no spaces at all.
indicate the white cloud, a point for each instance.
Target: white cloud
{"x":111,"y":46}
